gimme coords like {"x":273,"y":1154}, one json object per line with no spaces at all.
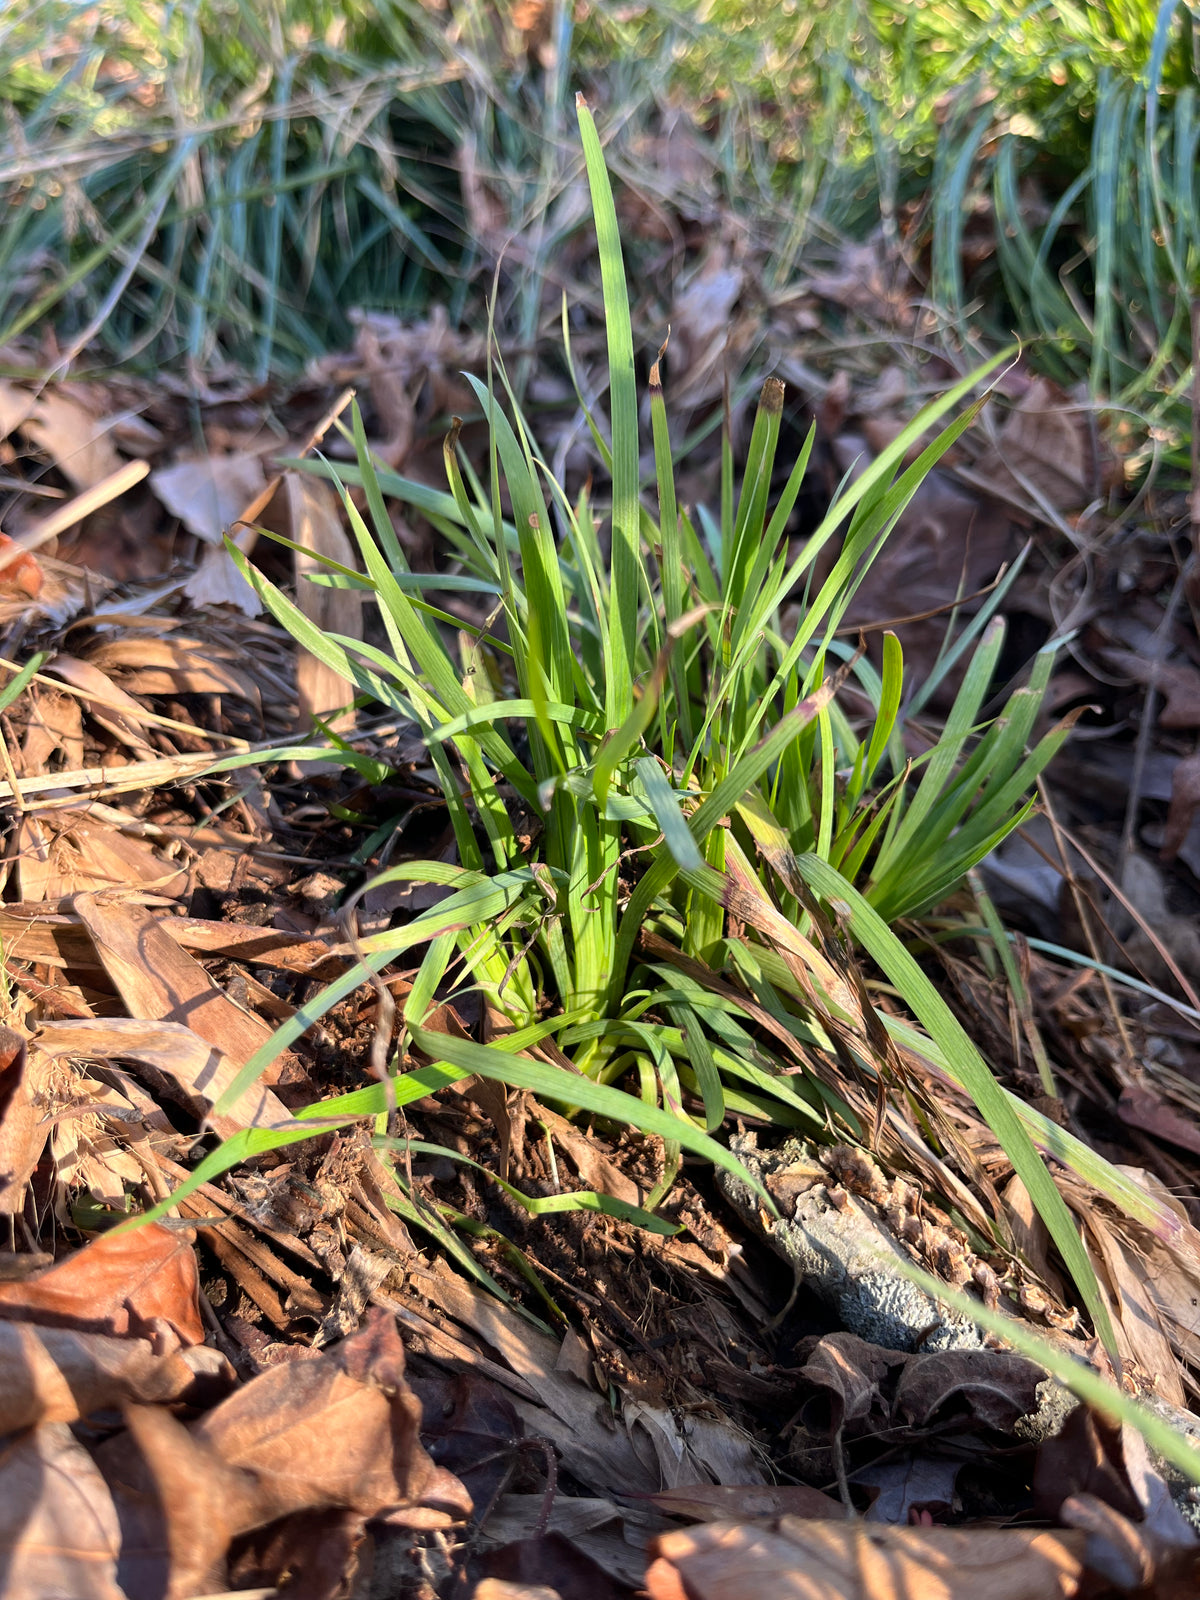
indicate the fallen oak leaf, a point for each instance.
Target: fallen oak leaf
{"x":995,"y":1388}
{"x":316,"y":1446}
{"x":179,"y":1502}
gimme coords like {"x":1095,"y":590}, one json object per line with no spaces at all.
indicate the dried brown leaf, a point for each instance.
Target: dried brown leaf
{"x":179,"y":1504}
{"x":312,"y":514}
{"x":551,"y":1403}
{"x":74,"y":438}
{"x":683,"y":1452}
{"x":55,"y":726}
{"x":317,"y":1552}
{"x":735,"y":1502}
{"x":852,"y":1384}
{"x":991,"y":1388}
{"x":217,"y":582}
{"x":111,"y":707}
{"x":797,"y":1560}
{"x":909,"y":1483}
{"x":337,"y":1432}
{"x":1170,"y":1269}
{"x":209,"y":493}
{"x":267,"y":947}
{"x":158,"y":980}
{"x":1096,"y":1476}
{"x":65,"y":854}
{"x":59,"y":1534}
{"x":501,"y":1589}
{"x":1045,"y":446}
{"x":703,"y":326}
{"x":1178,"y":682}
{"x":174,"y":664}
{"x":119,"y":1284}
{"x":176,"y":1061}
{"x":16,"y":404}
{"x":91,"y":1127}
{"x":63,"y":1375}
{"x":22,"y":1138}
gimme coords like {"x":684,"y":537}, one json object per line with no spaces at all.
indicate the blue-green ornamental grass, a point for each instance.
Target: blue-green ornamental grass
{"x":211,"y":185}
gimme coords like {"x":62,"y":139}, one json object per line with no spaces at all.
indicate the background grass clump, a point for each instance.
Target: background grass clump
{"x":211,"y":186}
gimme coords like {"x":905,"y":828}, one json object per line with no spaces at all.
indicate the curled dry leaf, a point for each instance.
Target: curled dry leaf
{"x":120,"y":1284}
{"x":685,"y":1452}
{"x":175,"y":1060}
{"x":55,"y":726}
{"x":65,"y":853}
{"x":994,"y":1389}
{"x":613,"y":1536}
{"x":551,"y":1403}
{"x":1097,"y":1477}
{"x":702,"y":326}
{"x":217,"y":582}
{"x":177,"y":1501}
{"x":61,"y":1375}
{"x":313,"y":519}
{"x":174,"y":664}
{"x":91,"y":1126}
{"x":859,"y":1388}
{"x":119,"y":713}
{"x":21,"y":1138}
{"x":298,"y":1460}
{"x":501,"y":1589}
{"x":335,"y":1437}
{"x":159,"y":981}
{"x":813,"y":1560}
{"x":1177,"y":682}
{"x":340,"y":1431}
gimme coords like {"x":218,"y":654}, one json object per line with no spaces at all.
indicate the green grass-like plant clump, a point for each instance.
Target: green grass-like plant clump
{"x":724,"y":850}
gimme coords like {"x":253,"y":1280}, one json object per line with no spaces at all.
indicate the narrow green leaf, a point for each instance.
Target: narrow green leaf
{"x":665,"y":804}
{"x":882,"y":945}
{"x":555,"y":1083}
{"x":622,"y":384}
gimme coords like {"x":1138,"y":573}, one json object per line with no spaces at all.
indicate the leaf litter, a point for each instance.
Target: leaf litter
{"x":299,"y":1370}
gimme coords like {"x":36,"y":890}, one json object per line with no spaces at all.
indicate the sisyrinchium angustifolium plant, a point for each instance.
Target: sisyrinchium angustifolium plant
{"x":721,"y":845}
